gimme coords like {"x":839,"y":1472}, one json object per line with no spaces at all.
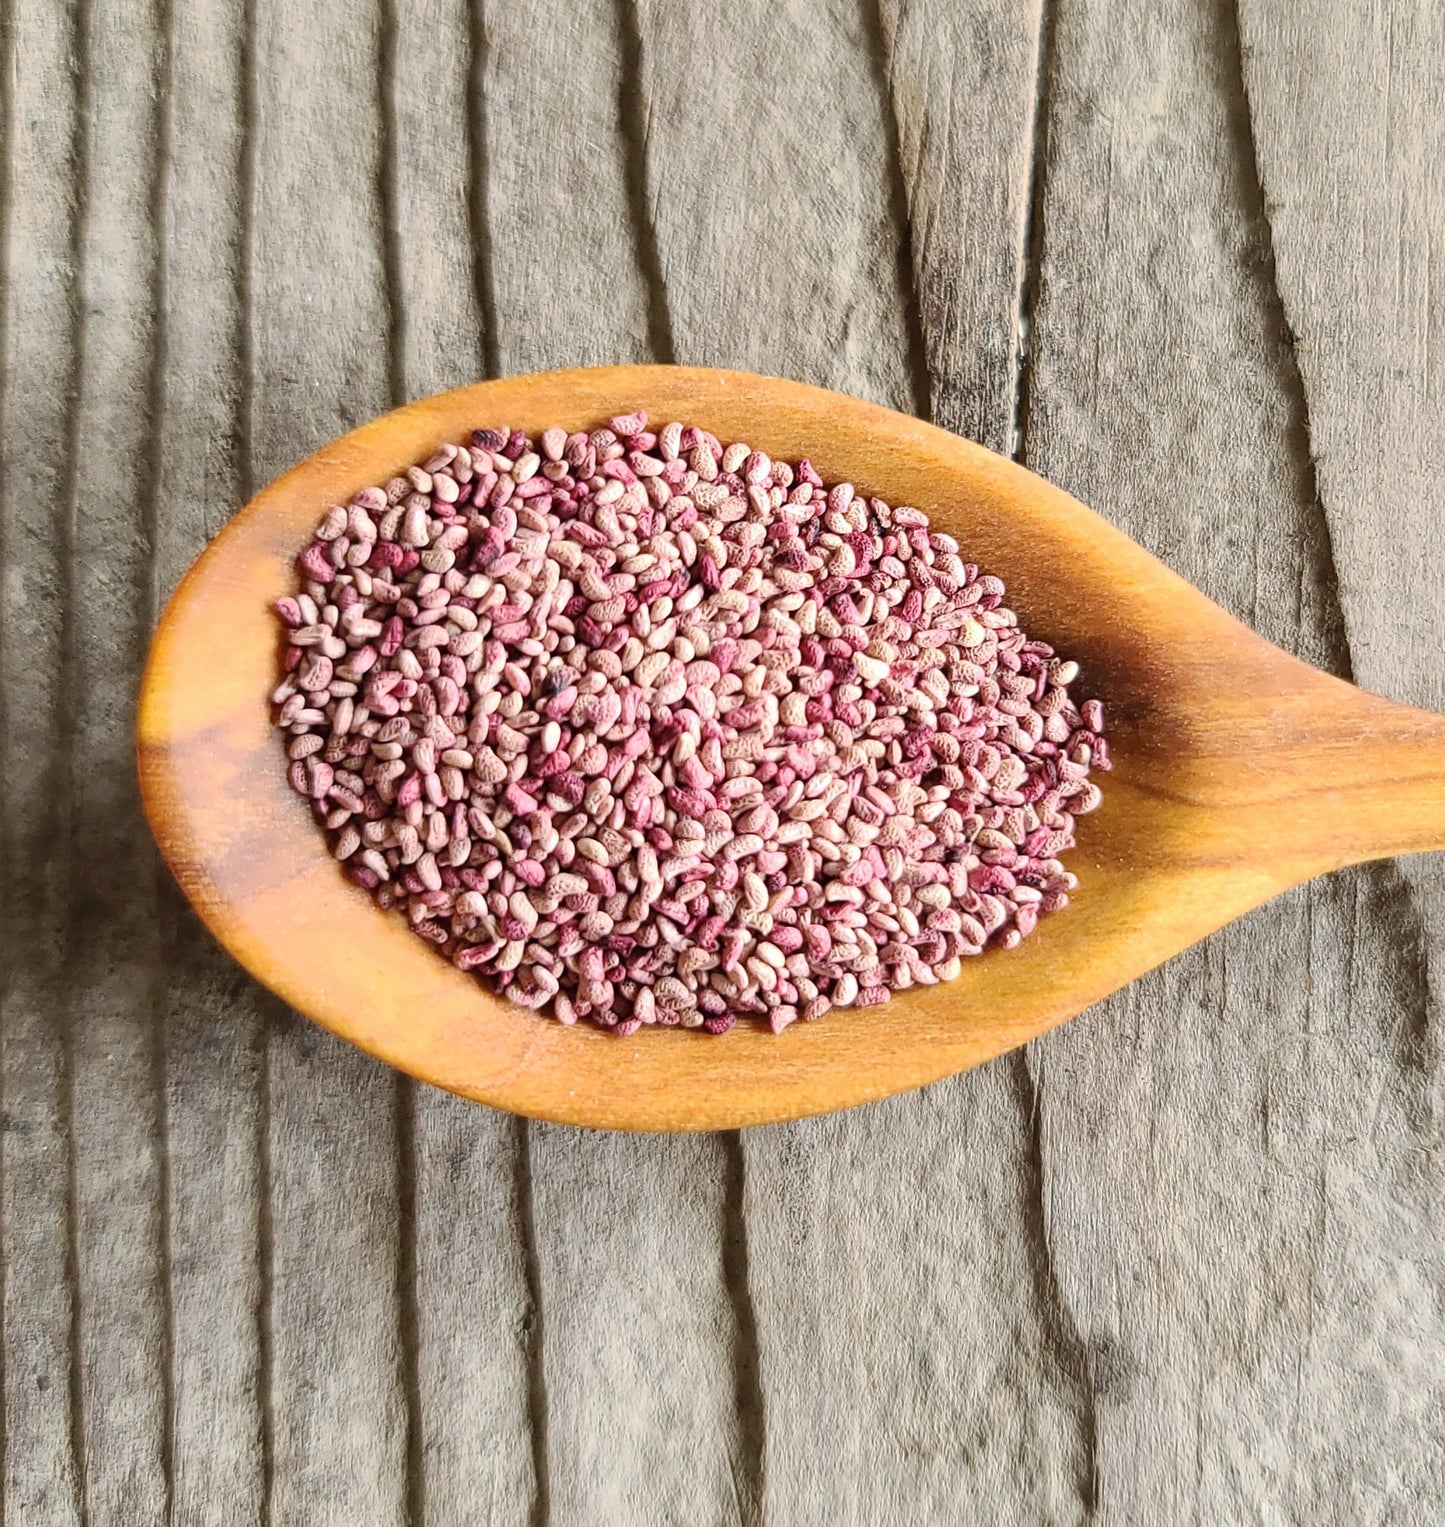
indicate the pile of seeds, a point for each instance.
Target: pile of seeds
{"x":653,"y":730}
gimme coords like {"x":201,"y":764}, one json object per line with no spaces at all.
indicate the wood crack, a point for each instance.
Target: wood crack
{"x":484,"y":292}
{"x":1065,"y":1342}
{"x":633,"y":114}
{"x":880,"y":58}
{"x":534,"y":1330}
{"x":150,"y":595}
{"x":1060,"y":1328}
{"x":1320,"y":541}
{"x":8,"y":855}
{"x":67,"y":703}
{"x":478,"y":210}
{"x":748,"y":1454}
{"x":396,"y":317}
{"x":408,"y":1318}
{"x":1031,"y":245}
{"x":272,"y":1016}
{"x":246,"y":206}
{"x":1391,"y":902}
{"x":271,"y":1011}
{"x":408,"y":1309}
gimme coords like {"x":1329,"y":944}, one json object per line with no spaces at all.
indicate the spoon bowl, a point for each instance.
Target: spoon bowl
{"x":1238,"y":772}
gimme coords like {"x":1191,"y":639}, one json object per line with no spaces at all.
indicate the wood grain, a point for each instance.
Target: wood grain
{"x":214,"y":1019}
{"x":318,"y":311}
{"x":1222,"y":1270}
{"x":110,"y":948}
{"x":467,"y":1302}
{"x":41,"y":1474}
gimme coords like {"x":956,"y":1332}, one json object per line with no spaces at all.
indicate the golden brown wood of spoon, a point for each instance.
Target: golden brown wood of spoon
{"x":1238,"y":771}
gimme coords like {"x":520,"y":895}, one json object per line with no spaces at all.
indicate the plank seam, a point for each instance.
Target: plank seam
{"x":1031,"y":244}
{"x":246,"y":273}
{"x":7,"y":841}
{"x":880,"y":61}
{"x":533,"y":1330}
{"x":249,"y":97}
{"x":408,"y":1309}
{"x":157,"y":401}
{"x":478,"y":166}
{"x":484,"y":290}
{"x":634,"y":114}
{"x":749,"y":1452}
{"x":408,"y":1317}
{"x":1068,"y":1348}
{"x":266,"y":1270}
{"x":1291,"y":378}
{"x":396,"y":316}
{"x":67,"y":700}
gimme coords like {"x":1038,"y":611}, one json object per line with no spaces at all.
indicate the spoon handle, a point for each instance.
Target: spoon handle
{"x":1376,"y":777}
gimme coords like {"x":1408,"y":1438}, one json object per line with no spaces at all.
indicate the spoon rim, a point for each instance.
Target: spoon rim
{"x":473,"y":1043}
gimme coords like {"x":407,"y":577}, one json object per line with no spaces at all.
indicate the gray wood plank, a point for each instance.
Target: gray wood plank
{"x":1242,"y":1188}
{"x":962,"y":82}
{"x":564,"y":247}
{"x":775,"y":194}
{"x":473,"y":1313}
{"x":111,"y":947}
{"x":637,"y":1329}
{"x":430,"y":73}
{"x":472,"y":1369}
{"x":1348,"y":136}
{"x":39,"y":1475}
{"x":215,"y":1017}
{"x":1348,"y":140}
{"x":913,"y":1350}
{"x":318,"y":313}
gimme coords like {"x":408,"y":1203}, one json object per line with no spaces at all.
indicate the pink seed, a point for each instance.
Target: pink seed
{"x":721,"y":798}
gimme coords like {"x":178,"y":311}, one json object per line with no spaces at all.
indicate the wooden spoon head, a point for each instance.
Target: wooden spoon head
{"x":1200,"y":713}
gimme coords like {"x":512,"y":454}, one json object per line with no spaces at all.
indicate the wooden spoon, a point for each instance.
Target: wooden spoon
{"x":1238,"y":771}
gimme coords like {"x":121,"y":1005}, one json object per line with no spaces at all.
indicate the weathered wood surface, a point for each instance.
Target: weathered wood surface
{"x":468,"y":1340}
{"x":1243,"y":1195}
{"x":1183,"y":1261}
